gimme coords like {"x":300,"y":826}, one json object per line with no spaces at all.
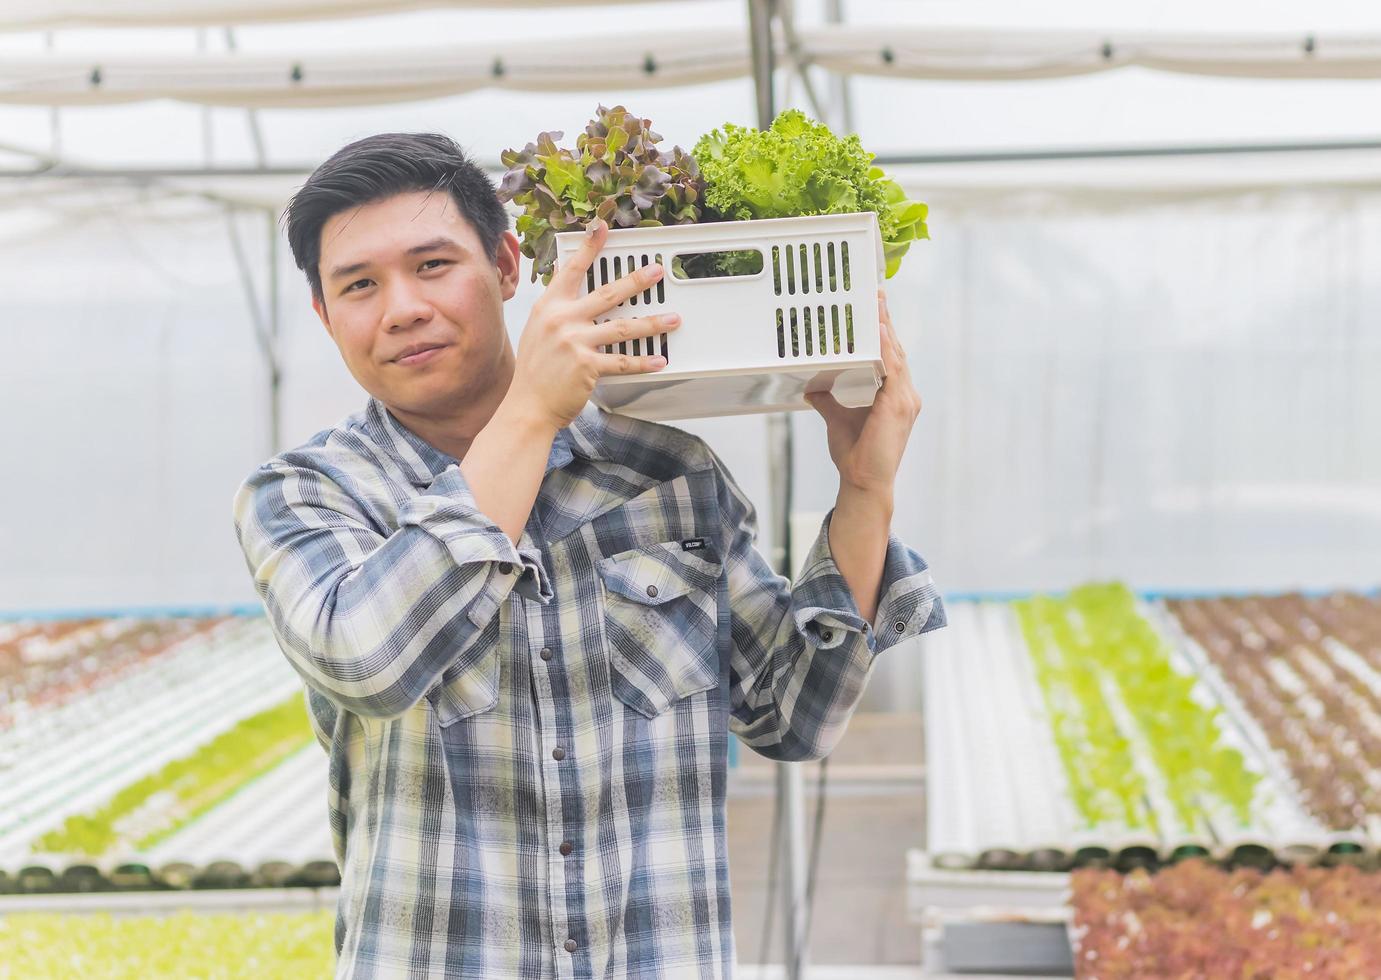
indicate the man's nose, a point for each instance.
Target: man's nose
{"x":405,"y":305}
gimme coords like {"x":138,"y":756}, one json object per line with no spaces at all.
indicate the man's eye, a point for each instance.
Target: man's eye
{"x":354,"y":284}
{"x":430,"y":261}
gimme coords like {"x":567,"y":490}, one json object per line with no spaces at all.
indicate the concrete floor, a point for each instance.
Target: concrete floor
{"x":873,"y":813}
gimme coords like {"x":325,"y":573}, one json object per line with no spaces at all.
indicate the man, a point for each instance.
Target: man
{"x":527,"y":626}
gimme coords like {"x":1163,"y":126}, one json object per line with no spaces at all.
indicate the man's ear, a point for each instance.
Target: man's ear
{"x":319,"y":305}
{"x":507,"y":263}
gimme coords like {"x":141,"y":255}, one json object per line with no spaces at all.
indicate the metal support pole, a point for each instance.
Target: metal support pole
{"x":275,"y":364}
{"x":795,"y":51}
{"x":790,"y":778}
{"x":208,"y":125}
{"x":255,"y":132}
{"x":841,"y":99}
{"x":54,"y":114}
{"x":270,"y":322}
{"x":264,"y":313}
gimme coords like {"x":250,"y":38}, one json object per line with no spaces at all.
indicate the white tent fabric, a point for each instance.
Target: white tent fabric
{"x":1320,"y":16}
{"x":32,"y":15}
{"x":351,"y":78}
{"x":986,"y":55}
{"x":315,"y":78}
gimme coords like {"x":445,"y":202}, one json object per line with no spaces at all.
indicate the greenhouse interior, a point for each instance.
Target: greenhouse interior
{"x":1134,"y":726}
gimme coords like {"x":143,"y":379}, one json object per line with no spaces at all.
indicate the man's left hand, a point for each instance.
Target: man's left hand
{"x":866,"y":444}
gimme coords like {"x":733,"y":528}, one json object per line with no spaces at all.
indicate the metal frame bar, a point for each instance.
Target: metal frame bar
{"x":54,"y":167}
{"x":796,"y":51}
{"x":264,"y":313}
{"x":1125,"y":152}
{"x":841,"y":94}
{"x":790,"y":778}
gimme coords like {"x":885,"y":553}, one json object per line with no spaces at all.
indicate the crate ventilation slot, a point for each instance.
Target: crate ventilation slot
{"x":611,"y":268}
{"x":816,"y":268}
{"x":820,"y":330}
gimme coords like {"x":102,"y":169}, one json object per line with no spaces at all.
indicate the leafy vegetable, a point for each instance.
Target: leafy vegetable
{"x":1193,"y":920}
{"x":1093,"y":652}
{"x":262,"y":946}
{"x":1104,"y":782}
{"x":797,"y":168}
{"x":151,"y":809}
{"x":1302,"y":666}
{"x":616,"y":173}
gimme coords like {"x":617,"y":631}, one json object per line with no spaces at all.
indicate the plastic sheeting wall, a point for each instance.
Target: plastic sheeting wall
{"x":130,"y":400}
{"x":1183,"y":396}
{"x":1178,"y":395}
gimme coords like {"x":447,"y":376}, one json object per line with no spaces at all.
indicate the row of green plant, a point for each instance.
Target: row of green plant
{"x":1093,"y":645}
{"x":273,"y":946}
{"x":1104,"y":782}
{"x":153,"y":808}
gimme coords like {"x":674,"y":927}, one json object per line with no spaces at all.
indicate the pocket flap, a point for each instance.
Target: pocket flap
{"x":659,"y":572}
{"x":471,"y":684}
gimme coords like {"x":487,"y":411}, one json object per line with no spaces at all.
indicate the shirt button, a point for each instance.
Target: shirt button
{"x":505,"y":568}
{"x":826,"y":635}
{"x":558,"y":753}
{"x":546,"y":653}
{"x":565,"y":848}
{"x":652,"y":591}
{"x":899,"y":626}
{"x":569,"y":946}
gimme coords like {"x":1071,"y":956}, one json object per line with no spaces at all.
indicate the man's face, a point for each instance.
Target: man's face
{"x":409,"y":271}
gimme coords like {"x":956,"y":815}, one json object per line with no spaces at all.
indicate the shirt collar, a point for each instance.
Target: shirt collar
{"x":424,"y":462}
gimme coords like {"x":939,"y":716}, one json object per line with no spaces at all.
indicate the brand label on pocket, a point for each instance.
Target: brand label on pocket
{"x":692,"y":544}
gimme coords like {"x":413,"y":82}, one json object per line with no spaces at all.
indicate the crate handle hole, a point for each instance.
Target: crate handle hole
{"x":728,"y":263}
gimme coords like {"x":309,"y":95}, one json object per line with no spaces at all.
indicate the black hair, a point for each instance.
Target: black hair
{"x":378,"y":167}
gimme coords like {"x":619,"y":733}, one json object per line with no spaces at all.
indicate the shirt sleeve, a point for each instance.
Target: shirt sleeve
{"x":372,"y":620}
{"x":801,"y":655}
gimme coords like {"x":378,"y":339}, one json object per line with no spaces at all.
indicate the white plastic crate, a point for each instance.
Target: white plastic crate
{"x":808,"y":321}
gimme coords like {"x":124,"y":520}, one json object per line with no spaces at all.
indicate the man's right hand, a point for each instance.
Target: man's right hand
{"x":559,"y":357}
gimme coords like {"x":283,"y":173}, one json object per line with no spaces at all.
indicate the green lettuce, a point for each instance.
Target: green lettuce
{"x":615,"y":173}
{"x":797,"y":168}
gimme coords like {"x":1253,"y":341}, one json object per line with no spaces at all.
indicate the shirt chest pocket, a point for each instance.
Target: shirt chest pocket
{"x":660,"y":616}
{"x":471,"y":684}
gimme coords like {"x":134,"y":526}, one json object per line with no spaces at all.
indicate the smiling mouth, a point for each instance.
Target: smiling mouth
{"x":417,"y":353}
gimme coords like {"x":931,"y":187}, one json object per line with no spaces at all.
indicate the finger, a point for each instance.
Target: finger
{"x":899,"y":383}
{"x":883,"y":313}
{"x":610,"y":364}
{"x":899,"y":365}
{"x":838,"y":417}
{"x":570,"y":273}
{"x":896,"y":340}
{"x":827,"y":405}
{"x":897,"y":348}
{"x":889,"y":329}
{"x":892,"y":364}
{"x":611,"y":294}
{"x":622,"y":329}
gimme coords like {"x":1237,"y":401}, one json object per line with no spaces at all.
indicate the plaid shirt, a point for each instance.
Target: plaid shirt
{"x":528,"y":743}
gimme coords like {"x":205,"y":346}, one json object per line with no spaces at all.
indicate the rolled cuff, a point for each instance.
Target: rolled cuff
{"x":447,"y":512}
{"x":826,"y":611}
